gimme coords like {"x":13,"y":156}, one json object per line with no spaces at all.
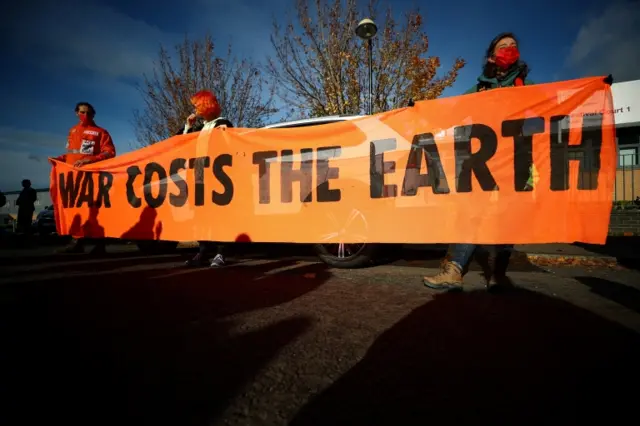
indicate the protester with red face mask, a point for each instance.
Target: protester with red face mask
{"x":87,"y":143}
{"x":502,"y":67}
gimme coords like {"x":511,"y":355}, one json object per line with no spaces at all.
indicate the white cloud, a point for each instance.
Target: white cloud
{"x":86,"y":35}
{"x":609,"y":43}
{"x":122,"y":97}
{"x":50,"y":136}
{"x":23,"y":106}
{"x":95,"y":52}
{"x":23,"y":153}
{"x":30,"y":141}
{"x":89,"y":35}
{"x":246,"y":25}
{"x":16,"y":166}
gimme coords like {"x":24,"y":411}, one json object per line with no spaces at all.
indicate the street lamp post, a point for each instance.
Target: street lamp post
{"x":366,"y":30}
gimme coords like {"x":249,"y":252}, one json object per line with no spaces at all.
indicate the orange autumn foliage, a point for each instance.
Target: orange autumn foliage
{"x":195,"y":65}
{"x":320,"y":67}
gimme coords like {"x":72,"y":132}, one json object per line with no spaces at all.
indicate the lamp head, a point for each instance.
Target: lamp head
{"x":366,"y":29}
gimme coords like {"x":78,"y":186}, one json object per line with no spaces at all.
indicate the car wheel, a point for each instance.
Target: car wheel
{"x":347,"y":256}
{"x":156,"y":247}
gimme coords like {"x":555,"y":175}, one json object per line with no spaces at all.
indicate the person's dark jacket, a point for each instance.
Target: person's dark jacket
{"x":220,"y":121}
{"x":27,"y":199}
{"x":508,"y":80}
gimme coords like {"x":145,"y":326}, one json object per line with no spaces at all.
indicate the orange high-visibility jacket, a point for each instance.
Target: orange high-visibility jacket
{"x":89,"y":141}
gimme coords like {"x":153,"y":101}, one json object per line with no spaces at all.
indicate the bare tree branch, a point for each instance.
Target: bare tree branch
{"x":239,"y":85}
{"x":320,"y":67}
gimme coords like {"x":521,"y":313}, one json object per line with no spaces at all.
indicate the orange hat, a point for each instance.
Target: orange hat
{"x":206,"y":104}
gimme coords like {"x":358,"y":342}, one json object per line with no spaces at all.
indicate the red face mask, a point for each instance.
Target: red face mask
{"x":507,"y":56}
{"x":84,"y":118}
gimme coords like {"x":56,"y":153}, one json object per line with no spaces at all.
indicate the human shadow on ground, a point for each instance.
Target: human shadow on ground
{"x":54,"y":259}
{"x":146,"y":228}
{"x":616,"y":292}
{"x":432,"y":258}
{"x":624,"y":249}
{"x":150,"y":347}
{"x":86,"y":264}
{"x":476,"y":358}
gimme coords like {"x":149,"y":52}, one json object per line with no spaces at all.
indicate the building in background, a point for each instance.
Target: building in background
{"x":626,"y":102}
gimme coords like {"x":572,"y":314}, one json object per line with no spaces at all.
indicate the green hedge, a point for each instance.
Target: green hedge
{"x":626,"y":205}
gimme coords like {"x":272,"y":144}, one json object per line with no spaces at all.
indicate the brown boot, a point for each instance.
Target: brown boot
{"x":447,"y":259}
{"x":449,"y":278}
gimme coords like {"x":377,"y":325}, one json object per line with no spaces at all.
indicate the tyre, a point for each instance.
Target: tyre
{"x":156,"y":247}
{"x":347,"y":256}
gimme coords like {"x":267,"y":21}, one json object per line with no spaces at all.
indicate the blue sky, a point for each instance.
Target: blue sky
{"x":95,"y":50}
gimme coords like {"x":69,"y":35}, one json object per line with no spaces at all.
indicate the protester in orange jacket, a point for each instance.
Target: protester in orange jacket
{"x":87,"y":143}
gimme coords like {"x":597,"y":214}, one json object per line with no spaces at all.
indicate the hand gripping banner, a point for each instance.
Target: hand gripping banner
{"x":532,"y":164}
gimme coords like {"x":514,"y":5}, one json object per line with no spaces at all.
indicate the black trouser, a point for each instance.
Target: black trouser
{"x":25,"y":217}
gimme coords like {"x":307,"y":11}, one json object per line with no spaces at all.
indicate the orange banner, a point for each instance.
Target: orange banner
{"x":531,"y":164}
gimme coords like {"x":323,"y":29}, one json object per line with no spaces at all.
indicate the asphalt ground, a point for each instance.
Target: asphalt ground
{"x":277,"y":339}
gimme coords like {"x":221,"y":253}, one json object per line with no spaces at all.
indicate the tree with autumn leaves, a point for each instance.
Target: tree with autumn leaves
{"x":242,"y":91}
{"x":319,"y":67}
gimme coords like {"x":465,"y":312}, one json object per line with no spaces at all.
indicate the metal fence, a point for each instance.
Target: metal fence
{"x":627,"y":183}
